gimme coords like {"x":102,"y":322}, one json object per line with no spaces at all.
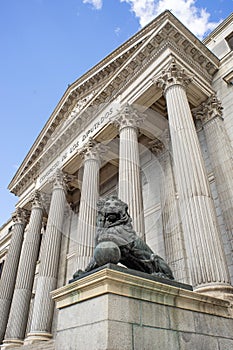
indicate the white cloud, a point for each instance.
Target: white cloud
{"x":196,"y":19}
{"x":117,"y":31}
{"x":145,"y":10}
{"x":97,"y":4}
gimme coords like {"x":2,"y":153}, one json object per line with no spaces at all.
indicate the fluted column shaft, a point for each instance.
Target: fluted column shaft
{"x":9,"y":273}
{"x":171,"y":218}
{"x":205,"y":251}
{"x":47,"y":279}
{"x":220,"y":152}
{"x":18,"y":317}
{"x":89,"y":197}
{"x":130,"y":189}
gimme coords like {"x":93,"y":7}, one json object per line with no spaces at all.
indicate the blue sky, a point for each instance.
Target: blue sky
{"x":46,"y":45}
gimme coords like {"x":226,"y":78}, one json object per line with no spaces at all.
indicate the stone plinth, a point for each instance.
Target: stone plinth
{"x":114,"y":309}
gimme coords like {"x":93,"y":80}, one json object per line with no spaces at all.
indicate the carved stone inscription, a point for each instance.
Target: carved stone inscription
{"x":78,"y":143}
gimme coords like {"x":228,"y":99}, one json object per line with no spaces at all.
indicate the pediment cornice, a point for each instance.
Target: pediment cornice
{"x":222,"y":26}
{"x":107,"y":80}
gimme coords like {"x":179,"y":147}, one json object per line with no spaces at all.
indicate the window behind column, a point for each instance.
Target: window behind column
{"x":229,"y":40}
{"x":1,"y":267}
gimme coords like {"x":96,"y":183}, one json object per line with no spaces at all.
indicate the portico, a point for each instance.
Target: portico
{"x":128,"y":127}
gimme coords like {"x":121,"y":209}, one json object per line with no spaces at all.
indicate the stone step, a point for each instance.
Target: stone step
{"x":45,"y":345}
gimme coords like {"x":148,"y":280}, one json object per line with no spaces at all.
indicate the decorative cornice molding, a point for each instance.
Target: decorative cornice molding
{"x":218,"y":29}
{"x":204,"y":68}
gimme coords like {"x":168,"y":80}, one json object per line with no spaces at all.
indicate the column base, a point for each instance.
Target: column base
{"x":11,"y":343}
{"x":224,"y":292}
{"x":37,"y":337}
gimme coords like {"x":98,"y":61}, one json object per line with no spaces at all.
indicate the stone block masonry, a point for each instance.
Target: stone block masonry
{"x":112,"y":310}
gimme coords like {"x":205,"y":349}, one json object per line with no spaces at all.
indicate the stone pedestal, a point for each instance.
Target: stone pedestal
{"x":115,"y":308}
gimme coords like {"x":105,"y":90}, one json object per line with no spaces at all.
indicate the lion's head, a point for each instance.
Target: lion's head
{"x":112,"y":210}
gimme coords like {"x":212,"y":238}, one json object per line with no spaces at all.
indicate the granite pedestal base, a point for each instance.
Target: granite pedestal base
{"x":112,"y":309}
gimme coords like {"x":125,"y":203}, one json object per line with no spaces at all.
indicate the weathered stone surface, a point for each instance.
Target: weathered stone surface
{"x":46,"y":345}
{"x":147,"y":338}
{"x":91,"y":336}
{"x":225,"y":344}
{"x":124,"y":310}
{"x":189,"y":341}
{"x":181,"y":320}
{"x":90,"y":312}
{"x":120,"y":335}
{"x":154,"y":315}
{"x":212,"y":325}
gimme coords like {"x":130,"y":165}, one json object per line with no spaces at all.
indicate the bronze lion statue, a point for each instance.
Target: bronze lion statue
{"x":117,"y":242}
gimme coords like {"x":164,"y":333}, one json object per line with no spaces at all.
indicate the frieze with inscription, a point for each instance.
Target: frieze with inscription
{"x":97,"y":124}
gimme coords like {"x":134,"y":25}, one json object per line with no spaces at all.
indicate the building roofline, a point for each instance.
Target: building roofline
{"x":218,"y":29}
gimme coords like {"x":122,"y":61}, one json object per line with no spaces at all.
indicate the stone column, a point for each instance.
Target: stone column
{"x":47,"y":280}
{"x":176,"y":256}
{"x":130,"y":189}
{"x":18,"y":317}
{"x":220,"y":152}
{"x":89,"y":196}
{"x":9,"y":273}
{"x":205,"y":251}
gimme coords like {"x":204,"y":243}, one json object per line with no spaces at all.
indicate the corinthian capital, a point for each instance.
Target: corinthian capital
{"x":173,"y":75}
{"x":58,"y":179}
{"x":36,"y":199}
{"x":63,"y":180}
{"x":93,"y":150}
{"x":20,"y":216}
{"x":158,"y":146}
{"x":128,"y":117}
{"x":208,"y":110}
{"x":212,"y":108}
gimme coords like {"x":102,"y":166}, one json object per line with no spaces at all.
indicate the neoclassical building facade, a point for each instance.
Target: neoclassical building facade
{"x":151,"y":123}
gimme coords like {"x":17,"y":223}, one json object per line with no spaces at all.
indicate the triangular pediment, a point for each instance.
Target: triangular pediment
{"x":105,"y":82}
